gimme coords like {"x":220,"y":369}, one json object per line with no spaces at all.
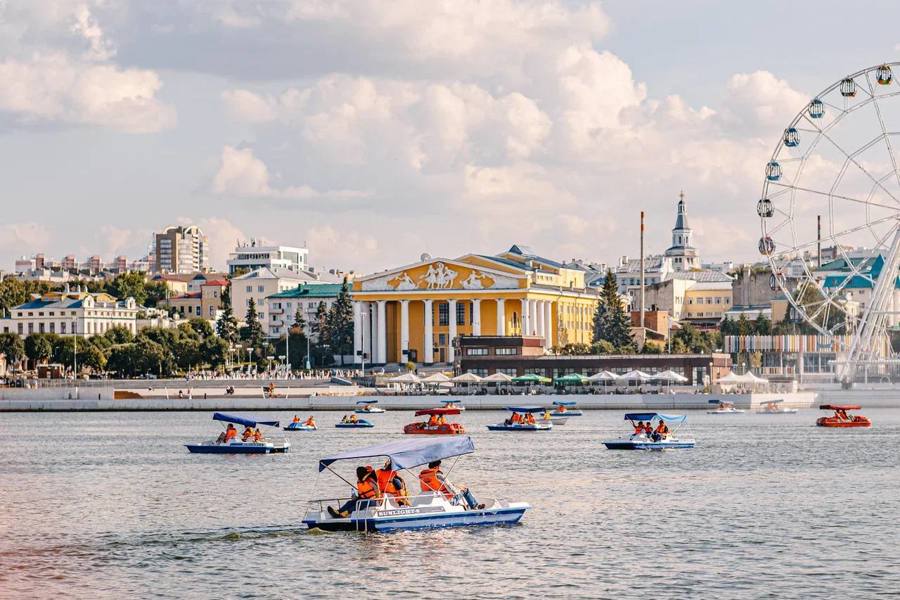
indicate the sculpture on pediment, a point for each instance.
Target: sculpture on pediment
{"x":477,"y":281}
{"x":402,"y":282}
{"x":438,"y":277}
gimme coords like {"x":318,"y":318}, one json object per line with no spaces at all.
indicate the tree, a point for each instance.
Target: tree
{"x":611,"y":323}
{"x":728,"y":326}
{"x":762,"y":325}
{"x":92,"y":357}
{"x":320,"y":325}
{"x":227,"y":325}
{"x":340,"y":322}
{"x":743,"y":325}
{"x":38,"y":348}
{"x":299,"y":320}
{"x":253,"y":332}
{"x":201,"y":327}
{"x":12,"y":347}
{"x":131,"y":284}
{"x":118,"y":335}
{"x":214,"y":351}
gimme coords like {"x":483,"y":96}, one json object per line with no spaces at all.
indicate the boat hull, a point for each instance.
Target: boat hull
{"x":736,"y":411}
{"x":361,"y":424}
{"x":300,"y":427}
{"x":230,"y":448}
{"x":785,"y":411}
{"x":569,"y":413}
{"x":626,"y":444}
{"x":535,"y":427}
{"x":858,"y":421}
{"x":371,"y":411}
{"x":445,"y":429}
{"x":409,"y":519}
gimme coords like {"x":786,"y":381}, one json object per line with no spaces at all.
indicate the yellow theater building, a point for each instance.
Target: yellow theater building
{"x":414,"y":313}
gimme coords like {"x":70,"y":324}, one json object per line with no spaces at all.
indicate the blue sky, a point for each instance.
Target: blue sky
{"x":378,"y":131}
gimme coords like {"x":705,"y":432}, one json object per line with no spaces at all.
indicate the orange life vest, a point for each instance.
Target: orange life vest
{"x":311,"y":422}
{"x":366,"y":489}
{"x":230,"y":434}
{"x":428,"y":480}
{"x":386,"y":482}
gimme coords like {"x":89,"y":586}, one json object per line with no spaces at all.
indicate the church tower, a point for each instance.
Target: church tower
{"x":684,"y":255}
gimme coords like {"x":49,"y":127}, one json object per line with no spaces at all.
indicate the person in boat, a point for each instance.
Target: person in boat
{"x":391,"y":484}
{"x":310,"y":421}
{"x":547,"y":415}
{"x":296,"y":419}
{"x":529,"y":419}
{"x":433,"y":421}
{"x":560,"y":409}
{"x":432,"y":479}
{"x":648,"y":429}
{"x":516,"y":419}
{"x":353,"y":419}
{"x":441,"y":420}
{"x":639,"y":428}
{"x":257,"y":435}
{"x":247,"y":435}
{"x":660,"y":432}
{"x":229,"y":434}
{"x":366,"y":491}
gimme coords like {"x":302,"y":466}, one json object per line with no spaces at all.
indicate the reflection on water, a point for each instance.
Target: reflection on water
{"x":112,"y":505}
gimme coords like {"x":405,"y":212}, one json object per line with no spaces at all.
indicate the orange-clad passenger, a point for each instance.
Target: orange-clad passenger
{"x":310,"y":421}
{"x":431,"y":479}
{"x":639,"y":428}
{"x":230,"y":433}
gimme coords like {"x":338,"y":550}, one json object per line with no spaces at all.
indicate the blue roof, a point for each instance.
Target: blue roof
{"x":858,"y":281}
{"x":406,"y":454}
{"x":367,"y":401}
{"x":242,"y":420}
{"x":649,"y":416}
{"x":526,"y":409}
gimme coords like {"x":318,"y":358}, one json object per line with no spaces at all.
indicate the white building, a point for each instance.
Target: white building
{"x":253,"y":255}
{"x":67,"y":313}
{"x":259,"y":285}
{"x":181,"y":249}
{"x":282,"y":307}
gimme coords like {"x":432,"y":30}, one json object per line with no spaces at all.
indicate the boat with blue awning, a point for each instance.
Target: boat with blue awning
{"x":654,"y":439}
{"x":566,"y":408}
{"x":447,"y":507}
{"x":365,"y":407}
{"x":523,"y":419}
{"x":229,"y":442}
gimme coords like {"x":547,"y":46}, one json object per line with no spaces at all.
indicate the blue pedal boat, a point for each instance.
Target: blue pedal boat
{"x":236,"y":446}
{"x":566,"y":408}
{"x":300,"y":427}
{"x":641,"y":441}
{"x":456,"y":508}
{"x":358,"y":424}
{"x":508,"y":425}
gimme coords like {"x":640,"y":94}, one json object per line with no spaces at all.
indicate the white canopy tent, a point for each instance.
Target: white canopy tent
{"x":497,"y":378}
{"x":467,"y":378}
{"x":602,"y":376}
{"x":670,"y":376}
{"x":436,"y":378}
{"x":635,"y":375}
{"x":406,"y":378}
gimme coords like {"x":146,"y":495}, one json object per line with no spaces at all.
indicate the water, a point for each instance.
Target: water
{"x":111,"y":505}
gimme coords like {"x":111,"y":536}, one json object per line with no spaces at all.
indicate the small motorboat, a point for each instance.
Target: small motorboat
{"x":453,"y":404}
{"x":367,"y":407}
{"x":235,"y":445}
{"x":840,"y":418}
{"x":566,"y":408}
{"x":774,"y":407}
{"x":642,"y":441}
{"x":436,"y":423}
{"x":353,"y":423}
{"x":308,"y":425}
{"x":456,"y":508}
{"x":517,"y":422}
{"x":724,"y":407}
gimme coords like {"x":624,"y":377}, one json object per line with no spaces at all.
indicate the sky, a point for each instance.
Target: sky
{"x":376,"y":131}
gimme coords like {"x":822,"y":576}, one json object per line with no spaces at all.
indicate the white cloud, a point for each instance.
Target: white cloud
{"x":54,"y":88}
{"x":247,"y":106}
{"x":100,"y":48}
{"x":759,"y":101}
{"x":333,"y":247}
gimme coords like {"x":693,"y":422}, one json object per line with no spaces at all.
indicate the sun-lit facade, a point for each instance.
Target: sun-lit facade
{"x":413,"y":313}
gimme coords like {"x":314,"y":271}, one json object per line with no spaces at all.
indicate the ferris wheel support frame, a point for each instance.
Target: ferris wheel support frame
{"x":866,"y":344}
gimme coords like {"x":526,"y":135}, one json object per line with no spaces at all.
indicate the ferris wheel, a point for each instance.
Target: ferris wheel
{"x":830,"y":214}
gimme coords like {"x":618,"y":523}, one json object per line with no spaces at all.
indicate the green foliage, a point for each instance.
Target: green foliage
{"x":118,"y":335}
{"x":227,"y":325}
{"x":129,"y":285}
{"x":340,"y":322}
{"x":689,"y":339}
{"x":201,"y":327}
{"x":12,"y":347}
{"x":252,"y":332}
{"x":14,"y":292}
{"x":38,"y":348}
{"x":611,"y":323}
{"x":602,"y":347}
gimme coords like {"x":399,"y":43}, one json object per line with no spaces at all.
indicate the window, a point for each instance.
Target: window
{"x":249,"y":288}
{"x":443,"y":314}
{"x":40,"y":328}
{"x":699,"y":300}
{"x":476,"y":351}
{"x":511,"y":371}
{"x":479,"y":372}
{"x":718,"y":300}
{"x":62,"y":327}
{"x":506,"y":351}
{"x":260,"y":288}
{"x":20,"y":328}
{"x":52,"y":327}
{"x":460,"y":313}
{"x":442,"y":339}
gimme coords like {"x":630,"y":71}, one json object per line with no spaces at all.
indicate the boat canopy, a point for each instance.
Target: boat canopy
{"x":367,"y":401}
{"x":722,"y":402}
{"x":564,"y":403}
{"x":649,"y":416}
{"x":242,"y":420}
{"x":840,"y":407}
{"x":779,"y":401}
{"x":526,"y":409}
{"x":406,"y":454}
{"x":438,"y":411}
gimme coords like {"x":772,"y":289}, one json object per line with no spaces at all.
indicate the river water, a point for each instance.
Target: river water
{"x":111,"y":505}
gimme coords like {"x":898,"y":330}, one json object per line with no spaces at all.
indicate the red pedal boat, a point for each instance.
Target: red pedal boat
{"x":436,"y":424}
{"x":840,"y":418}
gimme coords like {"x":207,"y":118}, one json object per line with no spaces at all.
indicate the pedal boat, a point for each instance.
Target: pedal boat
{"x":773,"y":407}
{"x":300,"y":426}
{"x":643,"y":442}
{"x":423,"y":428}
{"x":538,"y":425}
{"x":565,"y":408}
{"x":428,"y":510}
{"x":236,"y":446}
{"x":840,"y":418}
{"x":453,"y":404}
{"x":359,"y":424}
{"x":724,"y":407}
{"x":367,"y":407}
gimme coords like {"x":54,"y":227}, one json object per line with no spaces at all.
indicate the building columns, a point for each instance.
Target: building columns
{"x":404,"y":331}
{"x":357,"y":332}
{"x":476,"y":317}
{"x":428,"y":357}
{"x":382,"y":332}
{"x":539,"y":319}
{"x":501,"y":316}
{"x":548,"y":324}
{"x":451,"y":352}
{"x":525,"y":320}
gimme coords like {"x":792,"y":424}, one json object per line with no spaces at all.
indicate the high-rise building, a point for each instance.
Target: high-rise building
{"x":69,"y":263}
{"x":181,"y":249}
{"x":253,"y":255}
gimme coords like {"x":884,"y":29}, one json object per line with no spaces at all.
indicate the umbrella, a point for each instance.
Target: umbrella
{"x":405,"y":378}
{"x":755,"y":379}
{"x":531,"y":378}
{"x":602,"y":376}
{"x":436,"y":378}
{"x":635,"y":375}
{"x":670,"y":376}
{"x":466,"y":378}
{"x":731,"y":377}
{"x":497,"y":378}
{"x":570,"y":379}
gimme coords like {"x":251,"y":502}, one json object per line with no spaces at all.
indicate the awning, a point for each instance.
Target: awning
{"x":497,"y":378}
{"x":564,"y":403}
{"x":444,"y":410}
{"x":526,"y":409}
{"x":670,"y":376}
{"x":649,"y":416}
{"x":570,"y":379}
{"x":466,"y":378}
{"x":436,"y":378}
{"x":405,"y":378}
{"x":635,"y":376}
{"x":603,"y":376}
{"x":531,"y":378}
{"x":246,"y":422}
{"x":406,"y":454}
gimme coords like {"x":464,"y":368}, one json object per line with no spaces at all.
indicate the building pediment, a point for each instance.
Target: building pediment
{"x":439,"y":274}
